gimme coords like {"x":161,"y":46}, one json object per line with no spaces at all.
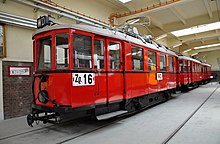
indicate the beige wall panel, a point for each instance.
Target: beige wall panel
{"x":18,"y":9}
{"x":91,"y":8}
{"x":18,"y":44}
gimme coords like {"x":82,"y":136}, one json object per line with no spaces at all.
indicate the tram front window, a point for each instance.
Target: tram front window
{"x":44,"y":62}
{"x":82,"y":51}
{"x":62,"y":51}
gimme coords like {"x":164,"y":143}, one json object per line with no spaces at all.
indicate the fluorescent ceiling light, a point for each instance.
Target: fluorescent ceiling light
{"x":197,"y":29}
{"x":160,"y":37}
{"x":124,"y":1}
{"x":194,"y":54}
{"x":134,"y":21}
{"x":187,"y":50}
{"x":207,"y":46}
{"x":177,"y":45}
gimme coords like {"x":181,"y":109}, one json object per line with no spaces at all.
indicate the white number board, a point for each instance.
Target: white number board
{"x":159,"y":76}
{"x":83,"y":79}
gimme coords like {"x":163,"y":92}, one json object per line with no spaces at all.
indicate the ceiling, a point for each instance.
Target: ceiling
{"x":170,"y":15}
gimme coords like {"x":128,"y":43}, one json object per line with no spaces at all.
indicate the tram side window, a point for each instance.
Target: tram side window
{"x":180,"y":66}
{"x":162,"y":62}
{"x":62,"y":51}
{"x":44,"y":56}
{"x":189,"y":69}
{"x":99,"y":54}
{"x":137,"y":58}
{"x":114,"y":55}
{"x":185,"y":66}
{"x":82,"y":51}
{"x":193,"y":67}
{"x":151,"y":61}
{"x":171,"y":64}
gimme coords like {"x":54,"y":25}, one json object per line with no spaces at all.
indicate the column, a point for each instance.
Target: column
{"x":1,"y":92}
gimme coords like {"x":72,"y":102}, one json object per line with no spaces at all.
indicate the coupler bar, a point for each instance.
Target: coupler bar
{"x":51,"y":118}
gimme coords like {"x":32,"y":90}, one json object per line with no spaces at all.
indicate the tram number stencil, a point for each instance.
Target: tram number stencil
{"x":159,"y":76}
{"x":83,"y":79}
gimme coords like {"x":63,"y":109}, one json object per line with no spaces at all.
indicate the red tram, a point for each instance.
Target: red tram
{"x":89,"y":71}
{"x":192,"y":72}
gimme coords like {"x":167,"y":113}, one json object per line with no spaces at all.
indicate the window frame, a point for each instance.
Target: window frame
{"x":38,"y":52}
{"x":185,"y":67}
{"x":137,"y":47}
{"x":55,"y":50}
{"x":120,"y":53}
{"x":100,"y":39}
{"x":152,"y":51}
{"x":78,"y":32}
{"x":173,"y":65}
{"x":165,"y":60}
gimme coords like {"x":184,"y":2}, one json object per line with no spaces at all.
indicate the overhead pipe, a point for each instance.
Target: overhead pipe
{"x":19,"y":17}
{"x":68,"y":11}
{"x":115,"y":15}
{"x":55,"y":12}
{"x":17,"y":23}
{"x":17,"y":20}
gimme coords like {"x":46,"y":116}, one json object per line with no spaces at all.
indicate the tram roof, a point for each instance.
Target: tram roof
{"x":108,"y":33}
{"x":189,"y":58}
{"x":206,"y":64}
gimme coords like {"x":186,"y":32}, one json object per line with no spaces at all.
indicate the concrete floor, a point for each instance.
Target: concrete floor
{"x":151,"y":126}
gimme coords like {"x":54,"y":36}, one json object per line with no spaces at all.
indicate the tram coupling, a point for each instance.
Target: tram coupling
{"x":44,"y":117}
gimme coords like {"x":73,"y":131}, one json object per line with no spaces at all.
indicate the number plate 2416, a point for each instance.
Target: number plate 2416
{"x":83,"y":79}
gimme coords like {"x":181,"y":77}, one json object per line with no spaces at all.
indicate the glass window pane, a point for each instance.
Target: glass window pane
{"x":114,"y":55}
{"x":99,"y":54}
{"x":180,"y":66}
{"x":185,"y":66}
{"x":82,"y":51}
{"x":162,"y":62}
{"x":44,"y":62}
{"x":171,"y":64}
{"x":152,"y":61}
{"x":137,"y":58}
{"x":188,"y":66}
{"x":62,"y":51}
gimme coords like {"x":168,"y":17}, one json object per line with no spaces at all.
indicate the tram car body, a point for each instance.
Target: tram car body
{"x":80,"y":70}
{"x":192,"y":72}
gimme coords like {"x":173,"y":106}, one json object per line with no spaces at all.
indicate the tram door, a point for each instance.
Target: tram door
{"x":115,"y":66}
{"x":100,"y":65}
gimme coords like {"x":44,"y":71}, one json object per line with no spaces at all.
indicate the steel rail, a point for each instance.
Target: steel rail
{"x":188,"y":118}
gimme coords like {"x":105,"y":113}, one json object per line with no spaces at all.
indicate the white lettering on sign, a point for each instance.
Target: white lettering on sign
{"x":159,"y":76}
{"x":83,"y":79}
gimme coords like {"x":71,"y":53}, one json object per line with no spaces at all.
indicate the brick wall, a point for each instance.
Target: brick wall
{"x":17,"y":91}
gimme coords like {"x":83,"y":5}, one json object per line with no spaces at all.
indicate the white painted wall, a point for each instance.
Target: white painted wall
{"x":94,"y":9}
{"x":19,"y":45}
{"x":211,"y":58}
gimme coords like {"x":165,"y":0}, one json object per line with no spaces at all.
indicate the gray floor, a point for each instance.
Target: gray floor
{"x":151,"y":126}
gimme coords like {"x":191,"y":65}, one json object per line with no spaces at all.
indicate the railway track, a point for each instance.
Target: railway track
{"x":188,"y":118}
{"x":167,"y":139}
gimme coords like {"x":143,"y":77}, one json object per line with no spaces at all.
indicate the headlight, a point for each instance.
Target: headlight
{"x":43,"y":96}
